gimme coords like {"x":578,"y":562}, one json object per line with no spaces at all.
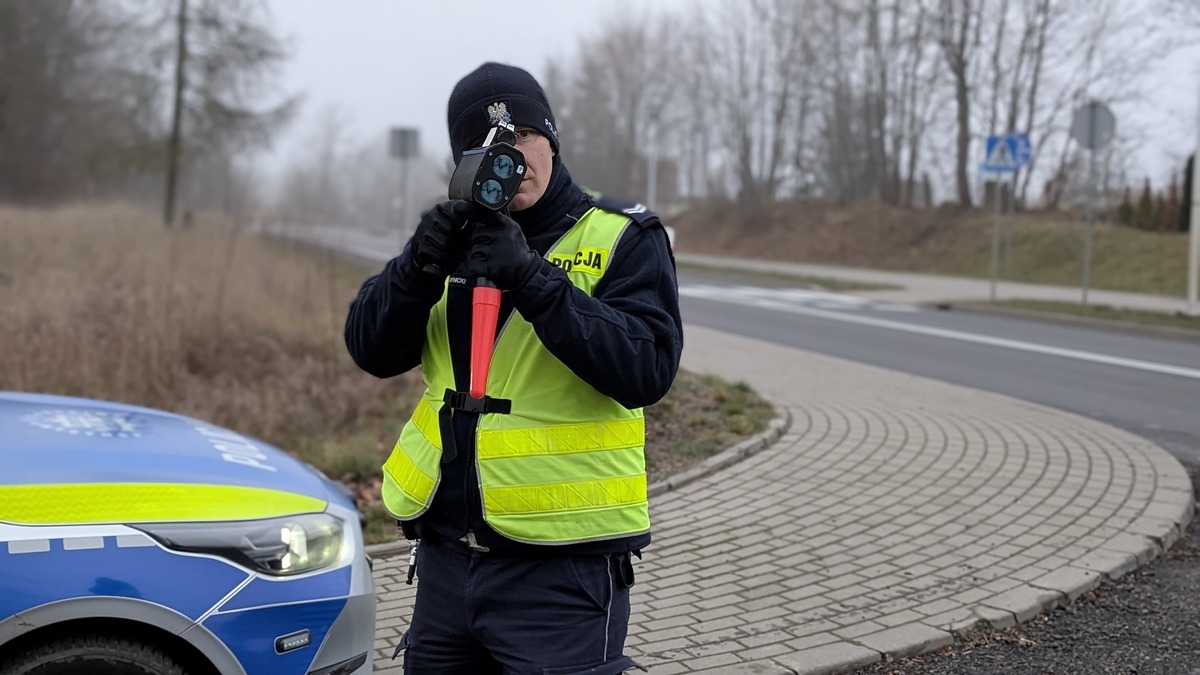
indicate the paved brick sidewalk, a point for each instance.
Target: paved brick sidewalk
{"x":895,"y":511}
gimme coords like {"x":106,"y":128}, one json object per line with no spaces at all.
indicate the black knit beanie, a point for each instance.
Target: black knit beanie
{"x":492,"y":93}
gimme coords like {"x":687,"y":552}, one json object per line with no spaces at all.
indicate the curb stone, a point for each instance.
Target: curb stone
{"x":1119,"y":555}
{"x":776,"y":428}
{"x":1015,"y":606}
{"x":387,"y":549}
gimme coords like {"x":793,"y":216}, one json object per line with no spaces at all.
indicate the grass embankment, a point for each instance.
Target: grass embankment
{"x":103,"y":302}
{"x":1047,"y":247}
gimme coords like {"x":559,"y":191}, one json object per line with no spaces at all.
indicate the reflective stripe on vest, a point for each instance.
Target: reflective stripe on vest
{"x":568,"y":464}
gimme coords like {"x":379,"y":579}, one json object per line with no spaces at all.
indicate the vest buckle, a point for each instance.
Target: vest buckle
{"x":461,"y":400}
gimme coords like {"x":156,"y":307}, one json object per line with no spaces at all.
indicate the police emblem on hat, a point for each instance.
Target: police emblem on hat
{"x":498,"y":113}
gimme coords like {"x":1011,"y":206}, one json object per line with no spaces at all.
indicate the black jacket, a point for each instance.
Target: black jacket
{"x":625,"y":340}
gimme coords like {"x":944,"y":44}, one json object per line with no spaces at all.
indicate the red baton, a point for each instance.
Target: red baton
{"x":485,"y":309}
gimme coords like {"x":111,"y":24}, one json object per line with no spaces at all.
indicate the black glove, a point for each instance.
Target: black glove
{"x":500,"y":253}
{"x":441,"y":238}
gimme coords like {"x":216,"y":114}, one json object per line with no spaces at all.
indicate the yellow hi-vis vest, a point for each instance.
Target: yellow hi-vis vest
{"x":567,"y":464}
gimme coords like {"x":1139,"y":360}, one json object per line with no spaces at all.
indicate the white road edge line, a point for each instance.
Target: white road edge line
{"x":961,"y":336}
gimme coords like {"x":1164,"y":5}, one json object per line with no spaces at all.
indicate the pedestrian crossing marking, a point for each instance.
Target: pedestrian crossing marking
{"x":781,"y":298}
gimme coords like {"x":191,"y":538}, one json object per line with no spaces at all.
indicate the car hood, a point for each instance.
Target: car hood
{"x":55,"y":440}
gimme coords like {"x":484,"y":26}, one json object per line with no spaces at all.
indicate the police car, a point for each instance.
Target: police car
{"x":139,"y":541}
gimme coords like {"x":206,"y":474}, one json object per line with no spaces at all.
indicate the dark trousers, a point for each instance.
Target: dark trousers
{"x":487,"y":613}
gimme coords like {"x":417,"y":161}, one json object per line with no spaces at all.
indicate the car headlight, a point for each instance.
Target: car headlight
{"x":277,"y":546}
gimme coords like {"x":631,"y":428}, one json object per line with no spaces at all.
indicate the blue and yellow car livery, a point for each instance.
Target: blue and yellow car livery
{"x":211,"y":551}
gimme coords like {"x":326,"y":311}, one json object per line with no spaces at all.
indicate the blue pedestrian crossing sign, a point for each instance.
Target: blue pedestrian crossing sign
{"x":1007,"y":153}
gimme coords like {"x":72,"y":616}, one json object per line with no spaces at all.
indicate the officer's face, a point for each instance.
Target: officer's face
{"x":539,"y":162}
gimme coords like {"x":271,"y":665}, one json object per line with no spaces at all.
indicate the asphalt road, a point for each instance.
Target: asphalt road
{"x":1146,"y":385}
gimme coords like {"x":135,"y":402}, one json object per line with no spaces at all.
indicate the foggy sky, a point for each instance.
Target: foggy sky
{"x":394,"y":62}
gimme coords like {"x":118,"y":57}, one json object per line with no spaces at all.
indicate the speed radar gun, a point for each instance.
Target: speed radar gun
{"x":489,"y":176}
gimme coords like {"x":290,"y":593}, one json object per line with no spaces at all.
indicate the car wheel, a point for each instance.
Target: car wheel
{"x":92,"y":655}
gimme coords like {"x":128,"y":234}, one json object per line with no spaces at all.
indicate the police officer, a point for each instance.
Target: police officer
{"x":527,"y":504}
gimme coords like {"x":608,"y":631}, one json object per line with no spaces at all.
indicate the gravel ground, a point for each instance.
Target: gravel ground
{"x":1145,"y":622}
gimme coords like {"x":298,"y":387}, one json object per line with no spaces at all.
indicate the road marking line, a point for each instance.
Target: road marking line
{"x":1018,"y":345}
{"x":819,"y":299}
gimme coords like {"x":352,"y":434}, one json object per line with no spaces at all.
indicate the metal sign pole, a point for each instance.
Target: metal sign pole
{"x":405,"y":192}
{"x":1008,"y":225}
{"x":1005,"y":154}
{"x":1093,"y":127}
{"x":1193,"y":236}
{"x":652,"y":180}
{"x":1087,"y":244}
{"x":403,"y":147}
{"x":995,"y":233}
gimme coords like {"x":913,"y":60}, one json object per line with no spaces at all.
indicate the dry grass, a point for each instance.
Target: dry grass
{"x":102,"y":301}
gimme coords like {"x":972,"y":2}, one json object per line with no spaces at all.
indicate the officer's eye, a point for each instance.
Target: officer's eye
{"x":525,"y":134}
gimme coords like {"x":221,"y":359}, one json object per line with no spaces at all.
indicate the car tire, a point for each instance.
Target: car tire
{"x":92,"y":655}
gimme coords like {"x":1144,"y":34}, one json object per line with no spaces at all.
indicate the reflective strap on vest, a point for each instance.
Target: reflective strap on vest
{"x":528,"y":459}
{"x":562,"y":439}
{"x":564,"y":527}
{"x":408,"y":477}
{"x":407,"y":489}
{"x":564,"y":483}
{"x":588,"y":494}
{"x":425,"y":419}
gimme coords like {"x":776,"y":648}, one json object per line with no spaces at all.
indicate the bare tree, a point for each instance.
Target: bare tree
{"x":612,"y":109}
{"x":764,"y":99}
{"x":338,"y":179}
{"x":68,"y":101}
{"x":999,"y":19}
{"x":1042,"y":18}
{"x":693,"y":111}
{"x":843,"y":135}
{"x":918,"y":92}
{"x":223,"y":182}
{"x":755,"y":64}
{"x":959,"y":25}
{"x":1010,"y":84}
{"x":313,"y":185}
{"x":175,"y":140}
{"x":86,"y":94}
{"x":900,"y":89}
{"x":1097,"y":49}
{"x":1181,"y":12}
{"x":225,"y":55}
